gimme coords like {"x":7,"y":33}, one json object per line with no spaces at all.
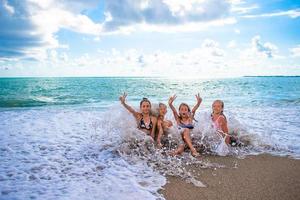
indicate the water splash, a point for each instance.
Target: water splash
{"x":81,"y":153}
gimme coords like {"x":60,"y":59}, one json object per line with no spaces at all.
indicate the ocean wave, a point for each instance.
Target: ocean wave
{"x":88,"y":154}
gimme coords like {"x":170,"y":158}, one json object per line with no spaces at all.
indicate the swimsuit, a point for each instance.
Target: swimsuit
{"x":181,"y":127}
{"x":142,"y":124}
{"x":188,"y":126}
{"x":233,"y":141}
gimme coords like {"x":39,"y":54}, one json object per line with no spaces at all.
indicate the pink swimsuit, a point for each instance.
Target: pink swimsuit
{"x":217,"y":126}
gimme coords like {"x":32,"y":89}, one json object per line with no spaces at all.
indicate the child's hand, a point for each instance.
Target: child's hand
{"x":171,"y":100}
{"x":123,"y":98}
{"x":199,"y":99}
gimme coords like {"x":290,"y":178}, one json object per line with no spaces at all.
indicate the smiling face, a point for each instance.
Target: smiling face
{"x":145,"y":107}
{"x":162,"y":109}
{"x":217,"y":107}
{"x":184,"y":110}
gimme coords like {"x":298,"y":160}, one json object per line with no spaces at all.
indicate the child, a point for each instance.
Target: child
{"x":162,"y":124}
{"x":145,"y":121}
{"x":185,"y":123}
{"x":220,"y":122}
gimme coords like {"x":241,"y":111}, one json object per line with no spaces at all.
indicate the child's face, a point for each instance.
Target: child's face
{"x":162,"y":110}
{"x":184,"y":111}
{"x":145,"y":107}
{"x":217,"y":107}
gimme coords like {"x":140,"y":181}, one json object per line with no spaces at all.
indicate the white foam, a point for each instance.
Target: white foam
{"x":57,"y":154}
{"x":79,"y":153}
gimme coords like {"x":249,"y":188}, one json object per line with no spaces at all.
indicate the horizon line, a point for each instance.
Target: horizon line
{"x":148,"y":76}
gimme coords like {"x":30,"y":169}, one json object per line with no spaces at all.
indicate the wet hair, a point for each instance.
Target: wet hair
{"x":222,"y":104}
{"x":158,"y":113}
{"x":189,"y":110}
{"x":145,"y":100}
{"x":220,"y":101}
{"x":162,"y":104}
{"x":184,"y":104}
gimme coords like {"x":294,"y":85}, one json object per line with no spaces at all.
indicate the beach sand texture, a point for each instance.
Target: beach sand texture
{"x":255,"y":177}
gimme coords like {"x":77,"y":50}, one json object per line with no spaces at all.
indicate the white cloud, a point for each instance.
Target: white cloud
{"x":42,"y":13}
{"x":258,"y":58}
{"x":53,"y":56}
{"x":232,"y":44}
{"x":208,"y":43}
{"x":64,"y":57}
{"x":43,"y":19}
{"x":207,"y":59}
{"x":237,"y":31}
{"x":10,"y":9}
{"x":295,"y":51}
{"x":201,"y":62}
{"x":188,"y":27}
{"x":294,"y":13}
{"x":124,"y":13}
{"x":34,"y":25}
{"x":36,"y":22}
{"x":212,"y":47}
{"x":244,"y":9}
{"x":265,"y":49}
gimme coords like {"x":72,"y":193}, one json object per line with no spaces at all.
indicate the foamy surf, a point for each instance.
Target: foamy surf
{"x":80,"y":153}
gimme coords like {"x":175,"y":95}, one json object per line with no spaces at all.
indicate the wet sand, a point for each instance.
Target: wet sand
{"x":255,"y":177}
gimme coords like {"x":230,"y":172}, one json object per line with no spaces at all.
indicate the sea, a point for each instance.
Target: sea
{"x":70,"y":138}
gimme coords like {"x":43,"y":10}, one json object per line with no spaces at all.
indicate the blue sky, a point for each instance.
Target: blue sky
{"x":175,"y":38}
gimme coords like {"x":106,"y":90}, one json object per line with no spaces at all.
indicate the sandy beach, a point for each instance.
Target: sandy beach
{"x":255,"y":177}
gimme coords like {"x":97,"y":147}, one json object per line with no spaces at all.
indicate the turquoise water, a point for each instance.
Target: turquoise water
{"x":250,"y":91}
{"x":69,"y":138}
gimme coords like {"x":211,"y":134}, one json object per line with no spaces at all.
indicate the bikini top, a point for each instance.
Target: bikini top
{"x":183,"y":125}
{"x":142,"y":124}
{"x":189,"y":126}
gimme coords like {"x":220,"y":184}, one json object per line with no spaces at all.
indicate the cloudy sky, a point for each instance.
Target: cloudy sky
{"x":176,"y":38}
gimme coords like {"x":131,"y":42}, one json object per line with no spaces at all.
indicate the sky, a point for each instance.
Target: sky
{"x":169,"y":38}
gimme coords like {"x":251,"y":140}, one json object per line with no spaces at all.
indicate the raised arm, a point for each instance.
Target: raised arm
{"x":171,"y":100}
{"x":129,"y":108}
{"x":199,"y":100}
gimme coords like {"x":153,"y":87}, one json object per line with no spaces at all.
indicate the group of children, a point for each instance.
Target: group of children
{"x":156,"y":127}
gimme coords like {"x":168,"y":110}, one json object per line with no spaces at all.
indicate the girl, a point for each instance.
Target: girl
{"x":145,"y":121}
{"x":220,"y":122}
{"x":163,"y":125}
{"x":185,"y":123}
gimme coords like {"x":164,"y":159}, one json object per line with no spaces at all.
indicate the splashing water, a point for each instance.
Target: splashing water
{"x":78,"y":154}
{"x":74,"y":148}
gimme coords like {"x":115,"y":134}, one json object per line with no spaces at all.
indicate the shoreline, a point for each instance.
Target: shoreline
{"x":255,"y":177}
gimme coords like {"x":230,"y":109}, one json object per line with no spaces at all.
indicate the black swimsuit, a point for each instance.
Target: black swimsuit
{"x":142,"y":124}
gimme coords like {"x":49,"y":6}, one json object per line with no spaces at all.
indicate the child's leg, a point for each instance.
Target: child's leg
{"x":178,"y":151}
{"x":232,"y":141}
{"x":227,"y":139}
{"x":188,"y":141}
{"x":158,"y":139}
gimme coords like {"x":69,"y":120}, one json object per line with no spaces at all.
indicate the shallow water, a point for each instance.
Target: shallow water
{"x":69,"y":137}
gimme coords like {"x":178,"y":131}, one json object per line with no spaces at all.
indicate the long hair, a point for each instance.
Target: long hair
{"x":161,"y":105}
{"x":145,"y":100}
{"x":184,"y":104}
{"x":222,"y":104}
